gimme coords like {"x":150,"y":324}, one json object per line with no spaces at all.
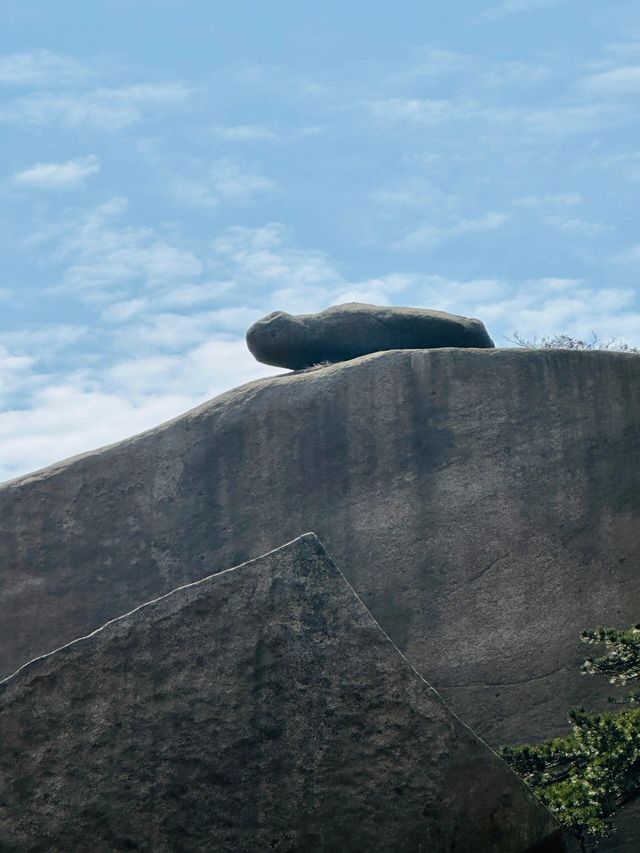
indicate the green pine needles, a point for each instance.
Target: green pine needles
{"x":622,"y":659}
{"x":587,"y":775}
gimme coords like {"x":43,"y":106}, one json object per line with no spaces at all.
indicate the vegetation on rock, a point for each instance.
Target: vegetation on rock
{"x":587,"y":775}
{"x":571,"y":343}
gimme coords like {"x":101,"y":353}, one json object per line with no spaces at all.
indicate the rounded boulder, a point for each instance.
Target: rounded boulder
{"x":348,"y":331}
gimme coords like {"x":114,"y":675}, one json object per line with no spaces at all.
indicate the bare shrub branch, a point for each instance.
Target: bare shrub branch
{"x":567,"y":342}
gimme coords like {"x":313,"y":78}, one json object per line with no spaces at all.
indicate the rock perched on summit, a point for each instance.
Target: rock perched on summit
{"x":348,"y":331}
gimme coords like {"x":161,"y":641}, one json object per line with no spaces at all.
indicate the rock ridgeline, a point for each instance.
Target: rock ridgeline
{"x":259,"y":709}
{"x":348,"y":331}
{"x":484,"y":504}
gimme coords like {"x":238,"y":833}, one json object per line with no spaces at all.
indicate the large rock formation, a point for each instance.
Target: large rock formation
{"x":484,"y":503}
{"x":259,"y":709}
{"x":347,"y":331}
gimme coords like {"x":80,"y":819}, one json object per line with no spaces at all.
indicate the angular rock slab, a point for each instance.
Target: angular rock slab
{"x":348,"y":331}
{"x":259,"y":709}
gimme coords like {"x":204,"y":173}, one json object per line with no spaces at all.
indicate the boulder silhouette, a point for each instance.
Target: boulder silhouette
{"x":261,"y":708}
{"x":344,"y":332}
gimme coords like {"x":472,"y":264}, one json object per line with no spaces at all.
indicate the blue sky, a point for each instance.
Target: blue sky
{"x":173,"y":171}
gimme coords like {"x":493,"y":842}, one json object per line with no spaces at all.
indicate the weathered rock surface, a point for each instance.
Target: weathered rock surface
{"x":484,"y":503}
{"x":348,"y":331}
{"x":261,"y":708}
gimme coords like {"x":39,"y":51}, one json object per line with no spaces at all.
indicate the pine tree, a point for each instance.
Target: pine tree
{"x":587,"y":775}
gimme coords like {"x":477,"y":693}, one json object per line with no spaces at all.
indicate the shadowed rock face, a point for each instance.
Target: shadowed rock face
{"x":262,"y":708}
{"x":484,"y":503}
{"x":347,"y":331}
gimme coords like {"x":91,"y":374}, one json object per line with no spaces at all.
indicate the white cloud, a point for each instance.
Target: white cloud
{"x":40,"y":68}
{"x":556,"y":210}
{"x":565,"y":120}
{"x":243,"y":133}
{"x":415,"y":195}
{"x":15,"y":371}
{"x":229,"y":182}
{"x":509,"y":74}
{"x":171,"y":355}
{"x":107,"y":109}
{"x":413,"y":110}
{"x":550,"y":201}
{"x":225,"y":182}
{"x":630,"y":257}
{"x":24,"y":354}
{"x":167,"y":331}
{"x":42,"y":342}
{"x":101,"y":256}
{"x":69,"y":415}
{"x":536,"y":307}
{"x":430,"y":235}
{"x":260,"y":262}
{"x":377,"y":291}
{"x":577,"y":226}
{"x":510,"y":7}
{"x":188,"y":295}
{"x":425,"y":63}
{"x":121,"y":312}
{"x":619,"y":81}
{"x":260,"y":272}
{"x":559,"y":284}
{"x":171,"y":302}
{"x":624,"y":50}
{"x":532,"y":122}
{"x":273,"y":275}
{"x":64,"y":419}
{"x":628,"y":162}
{"x":202,"y":371}
{"x":434,"y":62}
{"x":67,"y":175}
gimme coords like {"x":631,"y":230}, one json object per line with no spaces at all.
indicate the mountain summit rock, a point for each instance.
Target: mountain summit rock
{"x":483,"y":503}
{"x":348,"y":331}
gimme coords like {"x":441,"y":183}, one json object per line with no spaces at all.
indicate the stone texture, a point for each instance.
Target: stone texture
{"x":626,"y":835}
{"x":484,"y":503}
{"x":348,"y":331}
{"x":259,"y":709}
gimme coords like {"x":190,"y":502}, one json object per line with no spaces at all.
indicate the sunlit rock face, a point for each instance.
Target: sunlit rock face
{"x":348,"y":331}
{"x":260,"y":709}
